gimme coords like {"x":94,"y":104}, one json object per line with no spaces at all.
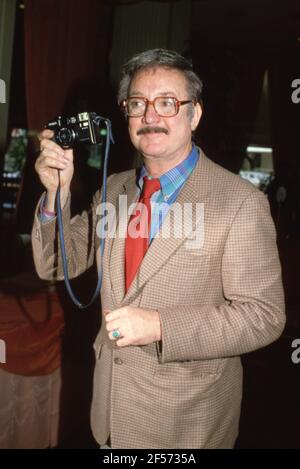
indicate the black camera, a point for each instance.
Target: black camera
{"x":83,"y":127}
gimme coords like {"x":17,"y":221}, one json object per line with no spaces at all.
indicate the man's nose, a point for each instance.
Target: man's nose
{"x":150,"y":115}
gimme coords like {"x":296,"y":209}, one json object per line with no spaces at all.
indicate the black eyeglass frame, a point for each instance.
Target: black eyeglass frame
{"x":147,"y":101}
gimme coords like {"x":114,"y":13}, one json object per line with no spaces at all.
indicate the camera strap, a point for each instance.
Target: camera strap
{"x":109,"y":139}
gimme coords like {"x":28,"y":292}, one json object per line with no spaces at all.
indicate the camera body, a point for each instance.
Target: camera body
{"x":82,"y":127}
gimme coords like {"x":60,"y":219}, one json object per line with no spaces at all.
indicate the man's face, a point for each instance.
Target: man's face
{"x":167,"y":138}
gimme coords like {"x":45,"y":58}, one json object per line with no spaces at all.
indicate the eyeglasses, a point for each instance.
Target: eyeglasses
{"x":164,"y":106}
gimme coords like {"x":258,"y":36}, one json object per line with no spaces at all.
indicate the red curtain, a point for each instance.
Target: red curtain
{"x":127,"y":2}
{"x":31,"y":326}
{"x":66,"y":43}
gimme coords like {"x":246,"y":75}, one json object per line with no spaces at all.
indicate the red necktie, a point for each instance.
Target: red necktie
{"x":138,"y":231}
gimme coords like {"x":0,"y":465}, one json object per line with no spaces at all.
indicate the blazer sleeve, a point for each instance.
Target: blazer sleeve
{"x":252,"y":314}
{"x":79,"y":236}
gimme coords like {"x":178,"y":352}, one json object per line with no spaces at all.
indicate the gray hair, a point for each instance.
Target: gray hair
{"x":160,"y":58}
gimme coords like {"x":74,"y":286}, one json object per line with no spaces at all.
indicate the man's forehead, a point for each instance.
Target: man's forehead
{"x":158,"y":71}
{"x":166,"y":80}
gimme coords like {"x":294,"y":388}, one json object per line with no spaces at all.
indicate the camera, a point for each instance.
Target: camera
{"x":82,"y":127}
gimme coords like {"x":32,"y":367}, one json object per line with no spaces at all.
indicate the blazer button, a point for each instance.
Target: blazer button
{"x":118,"y":361}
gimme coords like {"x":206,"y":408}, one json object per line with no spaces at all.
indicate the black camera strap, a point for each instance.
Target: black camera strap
{"x":109,"y":139}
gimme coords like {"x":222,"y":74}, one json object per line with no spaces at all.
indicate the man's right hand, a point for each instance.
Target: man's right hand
{"x":51,"y":158}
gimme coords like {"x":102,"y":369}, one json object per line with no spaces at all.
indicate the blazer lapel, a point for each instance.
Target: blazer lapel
{"x":196,"y":190}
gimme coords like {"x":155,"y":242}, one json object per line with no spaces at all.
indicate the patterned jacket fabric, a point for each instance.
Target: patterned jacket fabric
{"x":217,"y":300}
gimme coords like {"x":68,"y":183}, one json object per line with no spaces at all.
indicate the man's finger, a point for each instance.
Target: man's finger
{"x":46,"y":133}
{"x":111,"y":325}
{"x":123,"y":342}
{"x":112,"y":315}
{"x":49,"y":144}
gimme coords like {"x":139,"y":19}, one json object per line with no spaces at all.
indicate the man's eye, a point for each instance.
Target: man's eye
{"x":136,"y":103}
{"x":168,"y":102}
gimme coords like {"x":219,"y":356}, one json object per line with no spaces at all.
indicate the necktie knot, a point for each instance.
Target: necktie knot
{"x":150,"y":186}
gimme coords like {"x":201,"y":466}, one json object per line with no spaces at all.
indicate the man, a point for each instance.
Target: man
{"x":177,"y":313}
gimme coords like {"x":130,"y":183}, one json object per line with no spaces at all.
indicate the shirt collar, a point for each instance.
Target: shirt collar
{"x":175,"y":177}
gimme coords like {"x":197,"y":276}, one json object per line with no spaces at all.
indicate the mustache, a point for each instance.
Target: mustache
{"x":149,"y":130}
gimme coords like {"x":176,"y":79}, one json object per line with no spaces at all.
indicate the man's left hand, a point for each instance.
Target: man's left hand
{"x":137,"y":326}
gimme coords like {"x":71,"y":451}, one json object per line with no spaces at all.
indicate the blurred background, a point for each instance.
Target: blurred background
{"x":60,"y":57}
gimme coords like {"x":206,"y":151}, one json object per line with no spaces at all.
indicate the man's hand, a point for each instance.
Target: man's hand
{"x":137,"y":326}
{"x":52,"y":158}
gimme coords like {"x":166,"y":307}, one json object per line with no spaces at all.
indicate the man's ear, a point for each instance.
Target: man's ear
{"x":196,"y":117}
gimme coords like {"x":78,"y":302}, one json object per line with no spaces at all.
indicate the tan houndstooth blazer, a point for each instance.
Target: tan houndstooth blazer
{"x":216,"y":302}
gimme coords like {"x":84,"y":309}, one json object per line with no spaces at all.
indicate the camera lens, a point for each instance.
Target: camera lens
{"x":65,"y":137}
